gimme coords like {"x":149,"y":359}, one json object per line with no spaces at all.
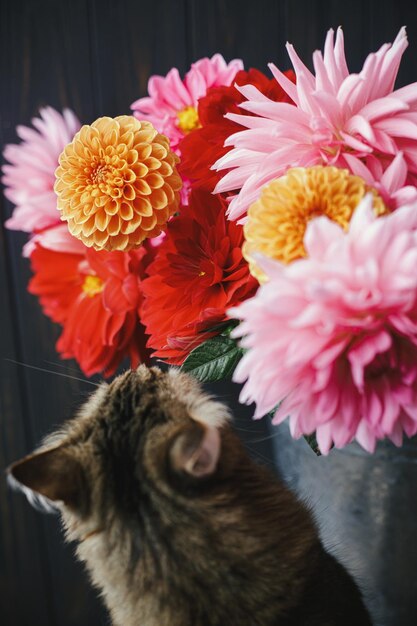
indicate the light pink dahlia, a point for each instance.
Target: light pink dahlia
{"x":342,"y":119}
{"x":172,"y":102}
{"x":29,"y":176}
{"x":334,"y":335}
{"x":57,"y":238}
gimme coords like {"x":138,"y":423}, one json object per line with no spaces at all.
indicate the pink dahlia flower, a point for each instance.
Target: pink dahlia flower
{"x":29,"y":176}
{"x":172,"y":102}
{"x":342,"y":119}
{"x":333,"y":336}
{"x":57,"y":238}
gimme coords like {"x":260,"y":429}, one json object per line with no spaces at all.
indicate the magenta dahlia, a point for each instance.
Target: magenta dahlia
{"x":172,"y":102}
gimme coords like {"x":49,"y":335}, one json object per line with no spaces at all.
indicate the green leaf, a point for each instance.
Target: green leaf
{"x":312,"y":442}
{"x":213,"y":360}
{"x":231,"y":326}
{"x":224,"y":328}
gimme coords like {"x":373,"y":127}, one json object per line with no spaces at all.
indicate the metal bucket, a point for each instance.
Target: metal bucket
{"x":366,"y":509}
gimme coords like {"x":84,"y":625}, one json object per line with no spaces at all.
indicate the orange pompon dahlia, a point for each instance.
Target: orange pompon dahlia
{"x":278,"y":220}
{"x":117,"y":183}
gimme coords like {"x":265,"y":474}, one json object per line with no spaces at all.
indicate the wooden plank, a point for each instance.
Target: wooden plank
{"x":388,"y":18}
{"x":44,"y":63}
{"x":24,"y":569}
{"x":238,"y":29}
{"x":131,"y":41}
{"x":308,"y":23}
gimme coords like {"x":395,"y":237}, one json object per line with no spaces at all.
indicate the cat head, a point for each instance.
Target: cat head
{"x":147,"y":436}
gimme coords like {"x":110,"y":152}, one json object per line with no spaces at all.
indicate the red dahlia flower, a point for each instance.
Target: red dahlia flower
{"x":197,"y":274}
{"x":201,"y":148}
{"x":96,"y":297}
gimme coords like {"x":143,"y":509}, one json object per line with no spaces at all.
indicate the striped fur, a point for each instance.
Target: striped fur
{"x":167,"y":547}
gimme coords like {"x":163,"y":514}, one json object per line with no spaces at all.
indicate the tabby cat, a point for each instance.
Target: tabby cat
{"x":177,"y":526}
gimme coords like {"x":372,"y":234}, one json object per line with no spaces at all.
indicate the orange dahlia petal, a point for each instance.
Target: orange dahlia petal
{"x":155,"y":164}
{"x":142,"y":187}
{"x":149,"y":223}
{"x":142,"y":206}
{"x":117,"y":183}
{"x":102,"y":220}
{"x":155,"y":180}
{"x":127,"y":228}
{"x":126,"y":211}
{"x":159,"y":199}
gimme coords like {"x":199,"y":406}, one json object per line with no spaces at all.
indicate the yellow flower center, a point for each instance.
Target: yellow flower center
{"x":188,"y":119}
{"x":278,"y":220}
{"x":99,"y":174}
{"x":92,"y":286}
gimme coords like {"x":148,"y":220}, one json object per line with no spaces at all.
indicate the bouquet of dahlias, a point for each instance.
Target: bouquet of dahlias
{"x":240,"y":226}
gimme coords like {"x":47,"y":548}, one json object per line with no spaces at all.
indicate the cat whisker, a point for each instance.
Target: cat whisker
{"x":42,"y":369}
{"x":62,"y":366}
{"x":260,"y":456}
{"x":261,"y":439}
{"x":245,"y":430}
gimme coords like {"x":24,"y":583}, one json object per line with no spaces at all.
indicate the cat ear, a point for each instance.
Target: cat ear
{"x":196,"y":450}
{"x":54,"y":474}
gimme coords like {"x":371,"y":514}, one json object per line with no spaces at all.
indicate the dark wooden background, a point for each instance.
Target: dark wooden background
{"x":96,"y":56}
